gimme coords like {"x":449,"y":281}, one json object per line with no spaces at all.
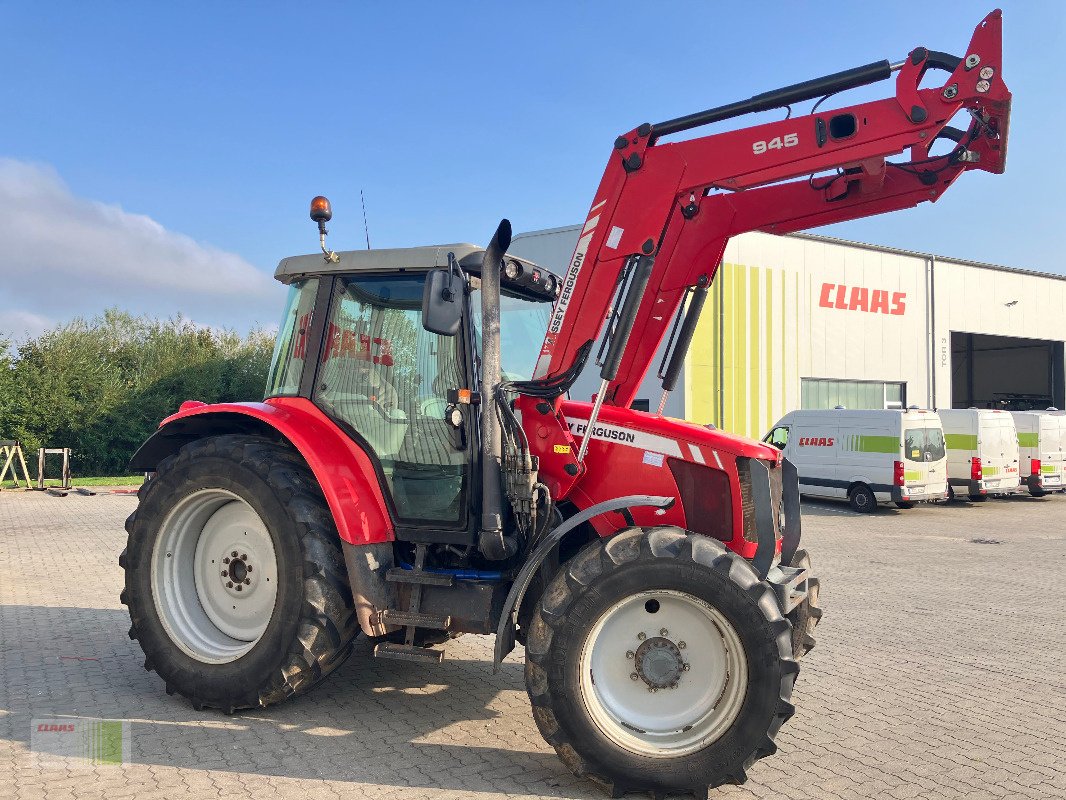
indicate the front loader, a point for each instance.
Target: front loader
{"x":417,"y":470}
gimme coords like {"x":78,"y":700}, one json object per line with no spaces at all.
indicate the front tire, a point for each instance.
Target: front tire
{"x":658,"y":661}
{"x":235,"y":581}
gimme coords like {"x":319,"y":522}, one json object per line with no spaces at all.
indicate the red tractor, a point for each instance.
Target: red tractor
{"x":417,"y":471}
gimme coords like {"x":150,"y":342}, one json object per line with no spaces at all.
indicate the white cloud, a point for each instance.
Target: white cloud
{"x":23,"y":324}
{"x":62,"y":256}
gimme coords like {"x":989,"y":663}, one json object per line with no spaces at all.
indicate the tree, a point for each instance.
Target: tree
{"x":101,"y":386}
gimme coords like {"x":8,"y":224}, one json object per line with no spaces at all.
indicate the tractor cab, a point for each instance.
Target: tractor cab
{"x":353,"y":342}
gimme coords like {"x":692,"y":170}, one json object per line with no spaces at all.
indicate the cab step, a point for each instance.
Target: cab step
{"x":415,"y":619}
{"x":417,"y":576}
{"x":407,"y":652}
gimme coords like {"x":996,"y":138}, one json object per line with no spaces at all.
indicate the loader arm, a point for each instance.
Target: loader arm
{"x":671,"y":207}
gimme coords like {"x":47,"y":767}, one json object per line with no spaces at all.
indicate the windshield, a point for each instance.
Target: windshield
{"x":523,"y":324}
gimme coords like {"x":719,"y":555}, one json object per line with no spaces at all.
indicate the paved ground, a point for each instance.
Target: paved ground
{"x":939,"y":673}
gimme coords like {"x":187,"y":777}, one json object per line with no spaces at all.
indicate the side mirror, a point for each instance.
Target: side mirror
{"x":442,"y":299}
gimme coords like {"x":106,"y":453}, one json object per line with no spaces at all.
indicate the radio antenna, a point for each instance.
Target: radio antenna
{"x":365,"y":226}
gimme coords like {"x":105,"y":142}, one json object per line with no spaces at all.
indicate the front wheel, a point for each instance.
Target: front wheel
{"x":658,"y":661}
{"x":235,"y":581}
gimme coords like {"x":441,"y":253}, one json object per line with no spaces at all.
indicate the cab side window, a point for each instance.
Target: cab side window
{"x":778,"y":437}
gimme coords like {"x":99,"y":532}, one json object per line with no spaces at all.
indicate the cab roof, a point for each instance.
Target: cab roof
{"x":469,"y":257}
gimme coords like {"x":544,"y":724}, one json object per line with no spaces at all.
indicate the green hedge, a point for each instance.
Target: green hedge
{"x":101,"y":386}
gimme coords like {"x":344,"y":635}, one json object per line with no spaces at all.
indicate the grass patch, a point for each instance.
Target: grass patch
{"x":108,"y":480}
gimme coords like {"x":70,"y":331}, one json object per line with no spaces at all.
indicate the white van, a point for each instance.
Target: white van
{"x":865,"y":457}
{"x":1042,"y":448}
{"x":982,"y":452}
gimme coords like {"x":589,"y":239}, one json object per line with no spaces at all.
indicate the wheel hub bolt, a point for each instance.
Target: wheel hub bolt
{"x":630,"y":654}
{"x":249,"y":567}
{"x":684,"y":667}
{"x":225,"y":574}
{"x":239,"y":587}
{"x":642,"y":636}
{"x":244,"y":556}
{"x":229,"y":584}
{"x":225,"y":560}
{"x":653,"y":689}
{"x":664,"y":632}
{"x":634,"y":677}
{"x":247,"y":581}
{"x":681,"y":645}
{"x":234,"y":554}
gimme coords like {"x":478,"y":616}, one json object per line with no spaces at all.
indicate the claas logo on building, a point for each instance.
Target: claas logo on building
{"x":814,"y":441}
{"x":859,"y":298}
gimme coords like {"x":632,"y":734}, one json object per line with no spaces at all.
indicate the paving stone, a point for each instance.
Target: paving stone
{"x":938,"y":674}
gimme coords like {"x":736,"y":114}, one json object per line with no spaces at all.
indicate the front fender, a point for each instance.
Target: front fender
{"x":342,"y":468}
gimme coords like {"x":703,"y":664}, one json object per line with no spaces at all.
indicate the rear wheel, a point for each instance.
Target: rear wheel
{"x":978,"y":498}
{"x":235,"y":582}
{"x":658,"y":661}
{"x":862,"y":499}
{"x":904,"y":504}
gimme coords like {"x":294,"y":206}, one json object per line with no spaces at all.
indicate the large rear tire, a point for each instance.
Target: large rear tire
{"x":235,"y":581}
{"x":806,"y":616}
{"x":658,"y":661}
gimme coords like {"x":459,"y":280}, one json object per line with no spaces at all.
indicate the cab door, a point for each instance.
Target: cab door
{"x":386,"y":379}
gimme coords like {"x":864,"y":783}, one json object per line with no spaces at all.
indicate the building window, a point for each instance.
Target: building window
{"x":826,"y":393}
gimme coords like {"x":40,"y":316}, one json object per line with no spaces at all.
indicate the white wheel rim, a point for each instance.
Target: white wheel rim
{"x":213,"y":604}
{"x":690,"y":681}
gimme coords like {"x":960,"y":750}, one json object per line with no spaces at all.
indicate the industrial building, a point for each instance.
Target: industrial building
{"x":802,"y":321}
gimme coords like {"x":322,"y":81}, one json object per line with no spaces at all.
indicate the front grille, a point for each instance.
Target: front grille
{"x":747,"y":498}
{"x":777,"y":497}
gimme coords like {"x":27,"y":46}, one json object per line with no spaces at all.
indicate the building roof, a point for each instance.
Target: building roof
{"x":864,"y":245}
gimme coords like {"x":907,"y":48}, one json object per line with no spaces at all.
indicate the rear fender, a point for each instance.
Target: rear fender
{"x":342,"y":468}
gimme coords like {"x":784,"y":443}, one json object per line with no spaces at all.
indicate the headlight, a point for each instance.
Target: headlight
{"x":512,"y":269}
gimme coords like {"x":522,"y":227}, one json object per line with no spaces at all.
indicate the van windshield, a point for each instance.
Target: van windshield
{"x":923,"y":444}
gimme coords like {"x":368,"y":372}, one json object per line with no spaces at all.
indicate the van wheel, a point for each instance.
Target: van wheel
{"x":862,"y":499}
{"x":978,"y":498}
{"x":904,"y":504}
{"x":1038,"y":493}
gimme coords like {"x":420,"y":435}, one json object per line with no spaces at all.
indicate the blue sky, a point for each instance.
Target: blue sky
{"x":199,"y":132}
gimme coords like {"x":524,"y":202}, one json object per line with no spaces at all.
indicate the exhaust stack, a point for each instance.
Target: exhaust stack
{"x":492,"y":542}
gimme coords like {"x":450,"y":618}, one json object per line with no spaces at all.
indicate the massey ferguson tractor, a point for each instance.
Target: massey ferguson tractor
{"x":417,"y":469}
